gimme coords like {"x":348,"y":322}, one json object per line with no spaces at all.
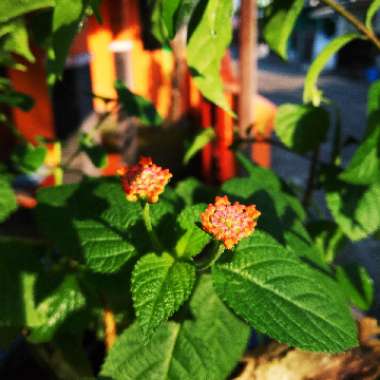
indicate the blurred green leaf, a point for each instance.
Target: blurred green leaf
{"x":311,"y":94}
{"x":373,"y":107}
{"x":200,"y":140}
{"x":137,"y":106}
{"x":371,"y":12}
{"x":8,"y":203}
{"x":95,"y":152}
{"x":209,"y":34}
{"x":282,"y":297}
{"x":281,"y":19}
{"x":191,"y":191}
{"x":301,"y":128}
{"x":357,"y":285}
{"x":28,"y":157}
{"x":12,"y":8}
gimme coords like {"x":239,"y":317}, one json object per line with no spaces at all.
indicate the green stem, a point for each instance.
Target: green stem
{"x":216,"y":251}
{"x":353,"y":20}
{"x":149,"y":227}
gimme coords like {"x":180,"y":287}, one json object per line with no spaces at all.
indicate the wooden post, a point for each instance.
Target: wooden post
{"x":248,"y":64}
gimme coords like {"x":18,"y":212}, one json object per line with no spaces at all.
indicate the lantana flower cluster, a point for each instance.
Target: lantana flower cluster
{"x":229,"y":223}
{"x":144,"y":180}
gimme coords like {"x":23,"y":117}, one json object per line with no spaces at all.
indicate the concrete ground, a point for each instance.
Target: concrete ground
{"x":283,"y":83}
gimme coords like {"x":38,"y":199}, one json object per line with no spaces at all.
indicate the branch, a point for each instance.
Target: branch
{"x":353,"y":20}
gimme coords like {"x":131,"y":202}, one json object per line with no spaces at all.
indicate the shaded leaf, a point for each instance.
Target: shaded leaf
{"x":95,"y":152}
{"x":13,"y":8}
{"x":8,"y":203}
{"x":210,"y":30}
{"x":311,"y":94}
{"x":282,"y":17}
{"x":282,"y":297}
{"x":193,"y":191}
{"x":300,"y":127}
{"x":373,"y":107}
{"x":200,"y":140}
{"x":137,"y":106}
{"x":28,"y":158}
{"x":357,"y":285}
{"x":160,"y":285}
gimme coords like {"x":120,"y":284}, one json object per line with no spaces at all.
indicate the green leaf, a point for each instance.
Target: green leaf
{"x":173,"y":353}
{"x":371,"y":12}
{"x":301,"y":128}
{"x":364,"y":167}
{"x":13,"y":8}
{"x":28,"y":158}
{"x":373,"y":107}
{"x":19,"y":267}
{"x":95,"y":152}
{"x":8,"y":203}
{"x":67,"y":19}
{"x":311,"y":94}
{"x":199,"y":348}
{"x":55,"y":308}
{"x":281,"y":20}
{"x":93,"y":222}
{"x":210,"y":32}
{"x":328,"y":238}
{"x":199,"y":142}
{"x":282,"y":297}
{"x":17,"y":40}
{"x":137,"y":106}
{"x":194,"y":239}
{"x":164,"y":19}
{"x":160,"y":285}
{"x":357,"y":285}
{"x":356,"y":209}
{"x":193,"y":191}
{"x":13,"y":98}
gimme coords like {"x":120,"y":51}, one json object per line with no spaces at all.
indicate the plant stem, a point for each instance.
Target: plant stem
{"x":311,"y":180}
{"x":216,"y":251}
{"x":149,"y":227}
{"x":109,"y":323}
{"x":353,"y":20}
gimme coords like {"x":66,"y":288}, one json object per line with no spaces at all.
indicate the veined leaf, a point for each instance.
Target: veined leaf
{"x":12,"y":8}
{"x":284,"y":298}
{"x":53,"y":310}
{"x":311,"y":94}
{"x":371,"y":12}
{"x":282,"y":18}
{"x":8,"y":203}
{"x":301,"y":128}
{"x":210,"y":32}
{"x":356,"y":209}
{"x":200,"y":141}
{"x":364,"y":167}
{"x":194,"y":238}
{"x":160,"y":285}
{"x":201,"y":348}
{"x":137,"y":106}
{"x":357,"y":285}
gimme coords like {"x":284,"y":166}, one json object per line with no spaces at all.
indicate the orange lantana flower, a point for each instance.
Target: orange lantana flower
{"x":144,"y":180}
{"x":228,"y":222}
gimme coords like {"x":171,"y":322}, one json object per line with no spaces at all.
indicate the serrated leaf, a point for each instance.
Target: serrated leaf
{"x":301,"y":128}
{"x":19,"y":267}
{"x":137,"y":106}
{"x":210,"y":30}
{"x":356,"y":209}
{"x":311,"y":94}
{"x":282,"y":297}
{"x":364,"y":167}
{"x":160,"y":285}
{"x":164,"y":19}
{"x":54,"y":309}
{"x":13,"y":8}
{"x":92,"y":221}
{"x":199,"y":142}
{"x":357,"y":285}
{"x":281,"y":20}
{"x":173,"y":353}
{"x":67,"y":18}
{"x":8,"y":203}
{"x":371,"y":12}
{"x":194,"y":239}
